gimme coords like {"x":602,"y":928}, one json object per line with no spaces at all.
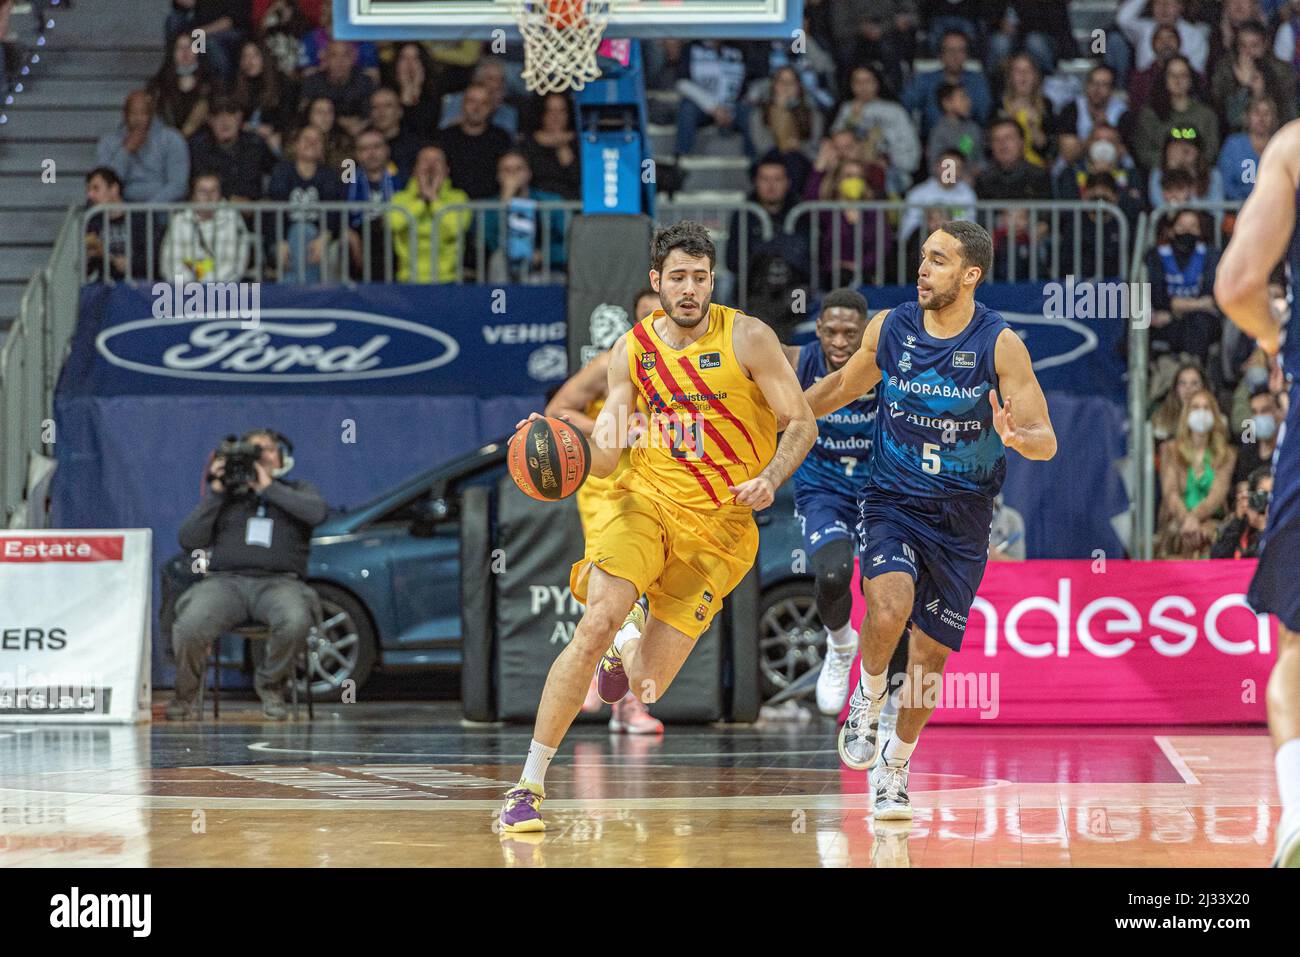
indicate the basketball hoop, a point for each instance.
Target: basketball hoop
{"x":560,"y":41}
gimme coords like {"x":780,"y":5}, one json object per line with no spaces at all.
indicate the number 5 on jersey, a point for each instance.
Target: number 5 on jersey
{"x":930,"y":457}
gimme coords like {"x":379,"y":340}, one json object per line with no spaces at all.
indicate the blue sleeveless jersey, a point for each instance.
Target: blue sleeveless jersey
{"x":1291,"y":331}
{"x":840,"y":459}
{"x":934,"y":431}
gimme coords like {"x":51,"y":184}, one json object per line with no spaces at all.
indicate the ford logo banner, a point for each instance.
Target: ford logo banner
{"x":428,"y":340}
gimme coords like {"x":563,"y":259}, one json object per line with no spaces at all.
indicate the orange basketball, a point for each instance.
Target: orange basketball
{"x":549,"y":459}
{"x":564,"y":14}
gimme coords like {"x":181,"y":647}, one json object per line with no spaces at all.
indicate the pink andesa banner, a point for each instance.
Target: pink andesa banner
{"x":1055,"y":642}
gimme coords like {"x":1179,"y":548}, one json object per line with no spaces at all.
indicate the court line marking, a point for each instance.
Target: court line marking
{"x":267,"y":747}
{"x":1176,"y":759}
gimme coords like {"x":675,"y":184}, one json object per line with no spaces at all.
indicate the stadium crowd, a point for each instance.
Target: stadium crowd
{"x":936,"y":103}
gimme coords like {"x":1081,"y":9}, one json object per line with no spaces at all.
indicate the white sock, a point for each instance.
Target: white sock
{"x":624,"y":635}
{"x":898,"y":751}
{"x":842,"y":640}
{"x":1287,"y":762}
{"x":539,"y":759}
{"x":874,"y":684}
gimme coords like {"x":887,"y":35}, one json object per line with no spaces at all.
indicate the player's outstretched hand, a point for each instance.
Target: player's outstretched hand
{"x":1003,"y":421}
{"x":758,"y":493}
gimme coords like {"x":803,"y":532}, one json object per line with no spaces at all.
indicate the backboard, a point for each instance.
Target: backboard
{"x":478,"y":19}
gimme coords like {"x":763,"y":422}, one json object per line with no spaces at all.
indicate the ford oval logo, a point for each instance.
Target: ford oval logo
{"x":318,"y":345}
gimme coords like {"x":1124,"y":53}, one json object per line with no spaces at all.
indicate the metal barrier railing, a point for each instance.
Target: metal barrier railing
{"x":1142,"y":477}
{"x":272,"y":241}
{"x":849,"y":242}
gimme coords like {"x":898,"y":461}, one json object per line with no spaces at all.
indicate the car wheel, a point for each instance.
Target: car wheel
{"x":344,"y":648}
{"x":791,"y":638}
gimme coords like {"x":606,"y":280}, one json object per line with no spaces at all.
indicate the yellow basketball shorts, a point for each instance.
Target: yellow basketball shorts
{"x":684,"y":561}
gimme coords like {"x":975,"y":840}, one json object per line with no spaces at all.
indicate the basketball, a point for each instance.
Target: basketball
{"x":549,"y":459}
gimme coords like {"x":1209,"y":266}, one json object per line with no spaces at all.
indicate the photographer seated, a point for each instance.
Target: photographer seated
{"x":256,"y":529}
{"x":1239,"y":536}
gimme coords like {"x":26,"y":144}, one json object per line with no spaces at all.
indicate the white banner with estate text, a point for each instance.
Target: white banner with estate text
{"x":74,"y":612}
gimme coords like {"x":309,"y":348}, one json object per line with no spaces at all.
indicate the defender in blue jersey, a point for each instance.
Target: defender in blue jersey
{"x":826,"y":488}
{"x":1267,"y":230}
{"x":937,"y":463}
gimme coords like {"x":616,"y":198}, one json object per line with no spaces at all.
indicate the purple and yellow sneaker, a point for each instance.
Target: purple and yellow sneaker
{"x":522,"y":810}
{"x":611,"y":679}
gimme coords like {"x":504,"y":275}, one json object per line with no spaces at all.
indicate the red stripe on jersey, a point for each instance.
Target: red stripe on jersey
{"x":722,"y":409}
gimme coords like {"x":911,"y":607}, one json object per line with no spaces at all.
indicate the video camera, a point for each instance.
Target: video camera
{"x":241,"y":465}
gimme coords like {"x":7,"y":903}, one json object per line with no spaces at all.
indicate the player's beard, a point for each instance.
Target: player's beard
{"x":684,"y":322}
{"x":940,"y":299}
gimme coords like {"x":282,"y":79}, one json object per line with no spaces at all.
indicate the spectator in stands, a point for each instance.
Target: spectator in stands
{"x":884,"y":126}
{"x":1099,"y":248}
{"x":947,"y":187}
{"x":343,"y":83}
{"x":1184,"y":315}
{"x":490,"y":74}
{"x":314,"y":50}
{"x":386,"y":118}
{"x":1099,"y":105}
{"x":1194,"y":40}
{"x":1255,"y":371}
{"x":1259,"y":432}
{"x":875,"y":32}
{"x":1240,"y":535}
{"x":319,"y":113}
{"x":428,"y":192}
{"x":1251,"y":72}
{"x":417,"y":90}
{"x":1023,"y":101}
{"x":1234,"y":15}
{"x":224,"y":23}
{"x":553,"y":149}
{"x":1239,"y":158}
{"x":922,"y":94}
{"x":1286,"y":41}
{"x":149,"y":157}
{"x":515,"y":243}
{"x":377,"y":181}
{"x":282,"y":25}
{"x":1006,"y":533}
{"x":1038,"y":28}
{"x":1195,"y":478}
{"x":1186,"y":154}
{"x":1187,"y":379}
{"x":784,"y":120}
{"x":1166,"y":45}
{"x":1177,"y":188}
{"x":843,"y":230}
{"x":1105,"y":155}
{"x":109,"y":234}
{"x":1173,"y":107}
{"x":304,"y":178}
{"x":1010,"y":175}
{"x":267,"y":98}
{"x":813,"y":66}
{"x":473,"y":145}
{"x":257,"y":541}
{"x":239,"y":158}
{"x":205,"y":245}
{"x":182,"y":87}
{"x":956,"y":130}
{"x":773,"y":190}
{"x":178,"y":21}
{"x":713,"y":78}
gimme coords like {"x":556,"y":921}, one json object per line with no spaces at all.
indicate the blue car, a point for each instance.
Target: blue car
{"x":388,"y":575}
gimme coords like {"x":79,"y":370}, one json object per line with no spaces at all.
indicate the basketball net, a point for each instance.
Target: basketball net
{"x":560,"y":41}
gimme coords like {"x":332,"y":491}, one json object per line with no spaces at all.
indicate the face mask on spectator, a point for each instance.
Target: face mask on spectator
{"x":187,"y":69}
{"x":853,"y":187}
{"x":1255,"y":377}
{"x":1103,"y":153}
{"x":1184,"y":243}
{"x":1200,"y":421}
{"x":1265,"y":427}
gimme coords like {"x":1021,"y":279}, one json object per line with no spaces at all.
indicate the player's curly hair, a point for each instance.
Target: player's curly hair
{"x":689,"y":236}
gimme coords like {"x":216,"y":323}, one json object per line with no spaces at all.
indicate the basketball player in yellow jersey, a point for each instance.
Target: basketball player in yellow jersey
{"x":579,"y":401}
{"x":718,"y":388}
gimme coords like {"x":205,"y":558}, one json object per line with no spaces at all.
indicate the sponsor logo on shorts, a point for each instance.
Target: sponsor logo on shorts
{"x":648,"y":360}
{"x":932,"y":606}
{"x":963,"y":360}
{"x":952,"y":619}
{"x":907,"y":550}
{"x":877,"y":560}
{"x":711,"y":360}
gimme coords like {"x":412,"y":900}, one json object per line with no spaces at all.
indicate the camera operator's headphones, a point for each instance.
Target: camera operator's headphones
{"x":281,"y":442}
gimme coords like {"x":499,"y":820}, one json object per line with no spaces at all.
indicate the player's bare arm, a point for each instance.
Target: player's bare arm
{"x":792,"y":356}
{"x":1259,"y":241}
{"x":582,"y":389}
{"x":855,"y":379}
{"x":761,"y":355}
{"x":1020,"y":413}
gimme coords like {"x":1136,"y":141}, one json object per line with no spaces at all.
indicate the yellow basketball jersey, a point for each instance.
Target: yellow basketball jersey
{"x":710,"y":426}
